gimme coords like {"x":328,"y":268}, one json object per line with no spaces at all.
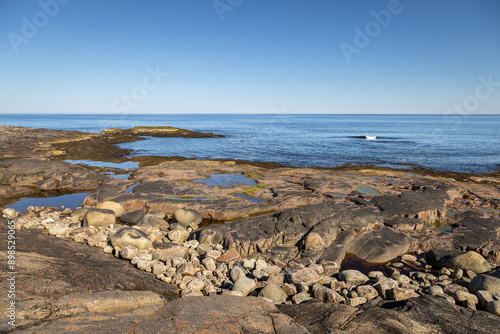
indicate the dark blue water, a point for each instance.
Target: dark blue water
{"x":451,"y":143}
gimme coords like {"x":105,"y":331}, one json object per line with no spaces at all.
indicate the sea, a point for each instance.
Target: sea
{"x":456,"y":143}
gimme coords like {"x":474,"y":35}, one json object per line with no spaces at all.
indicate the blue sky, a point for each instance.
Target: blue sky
{"x":250,"y":56}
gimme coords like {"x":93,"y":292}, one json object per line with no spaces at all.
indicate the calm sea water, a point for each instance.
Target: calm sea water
{"x":451,"y":143}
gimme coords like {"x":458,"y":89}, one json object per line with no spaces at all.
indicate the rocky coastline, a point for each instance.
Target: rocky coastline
{"x":188,"y":246}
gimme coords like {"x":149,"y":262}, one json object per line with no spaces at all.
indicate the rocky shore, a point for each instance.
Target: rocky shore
{"x":187,"y":246}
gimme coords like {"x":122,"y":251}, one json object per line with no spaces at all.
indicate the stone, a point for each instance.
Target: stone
{"x":439,"y":258}
{"x":99,"y":218}
{"x":325,"y":294}
{"x":132,"y":217}
{"x":187,"y":269}
{"x":493,"y":307}
{"x":187,"y":216}
{"x":273,"y":292}
{"x":457,"y":274}
{"x":367,"y":291}
{"x":398,"y":294}
{"x":353,"y":277}
{"x":484,"y":297}
{"x":470,"y":261}
{"x":127,"y":236}
{"x":356,"y":301}
{"x":383,"y":285}
{"x":484,"y":282}
{"x":9,"y":213}
{"x":236,"y":273}
{"x":209,"y":263}
{"x":461,"y":296}
{"x":158,"y":269}
{"x":117,"y":208}
{"x":334,"y":254}
{"x":214,"y":254}
{"x":229,"y":255}
{"x":244,"y":285}
{"x":409,"y":258}
{"x":178,"y":227}
{"x":58,"y":231}
{"x":196,"y":284}
{"x":168,"y":252}
{"x":306,"y":276}
{"x":128,"y":252}
{"x":301,"y":297}
{"x":248,"y":264}
{"x":379,"y":246}
{"x":374,"y":275}
{"x":149,"y":220}
{"x":276,"y":279}
{"x":290,"y":289}
{"x":158,"y":213}
{"x":178,"y":236}
{"x":435,"y":290}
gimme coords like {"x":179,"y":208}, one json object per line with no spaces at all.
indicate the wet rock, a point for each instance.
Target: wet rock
{"x":99,"y":218}
{"x":127,"y":236}
{"x":273,"y":292}
{"x":379,"y":246}
{"x":117,"y":208}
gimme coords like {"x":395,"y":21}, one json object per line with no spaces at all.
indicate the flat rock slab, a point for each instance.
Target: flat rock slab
{"x":425,"y":314}
{"x":218,"y":314}
{"x":380,"y":246}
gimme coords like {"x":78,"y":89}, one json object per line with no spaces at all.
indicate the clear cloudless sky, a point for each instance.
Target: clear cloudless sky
{"x":250,"y":56}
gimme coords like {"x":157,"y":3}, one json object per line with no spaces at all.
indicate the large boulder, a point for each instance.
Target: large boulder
{"x":273,"y":292}
{"x":128,"y":236}
{"x":484,"y":282}
{"x":132,"y":217}
{"x":470,"y":261}
{"x":99,"y":218}
{"x":380,"y":246}
{"x":153,"y":222}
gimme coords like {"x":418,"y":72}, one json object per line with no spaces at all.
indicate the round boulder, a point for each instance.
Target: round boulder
{"x":99,"y":218}
{"x":10,"y":213}
{"x":113,"y":206}
{"x":187,"y":216}
{"x":273,"y":292}
{"x":132,"y":217}
{"x":470,"y":261}
{"x":128,"y":236}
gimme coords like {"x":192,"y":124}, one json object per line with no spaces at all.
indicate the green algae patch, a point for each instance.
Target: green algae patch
{"x":442,"y":227}
{"x":248,"y":198}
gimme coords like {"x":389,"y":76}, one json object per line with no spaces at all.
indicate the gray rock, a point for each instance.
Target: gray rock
{"x":236,"y":273}
{"x":383,"y":285}
{"x":127,"y":236}
{"x":435,"y":290}
{"x":367,"y":291}
{"x":158,"y":213}
{"x":187,"y":217}
{"x":301,"y":297}
{"x":153,"y":221}
{"x":475,"y":232}
{"x":244,"y":285}
{"x":168,"y":251}
{"x":353,"y":277}
{"x":470,"y":261}
{"x":439,"y":258}
{"x":484,"y":282}
{"x":356,"y":301}
{"x":209,"y":263}
{"x":273,"y":292}
{"x":326,"y":295}
{"x":306,"y":276}
{"x":333,"y":255}
{"x":380,"y":246}
{"x":99,"y":218}
{"x":132,"y":217}
{"x":494,"y":307}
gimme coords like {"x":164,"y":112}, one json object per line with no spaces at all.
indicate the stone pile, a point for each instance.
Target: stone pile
{"x":155,"y":245}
